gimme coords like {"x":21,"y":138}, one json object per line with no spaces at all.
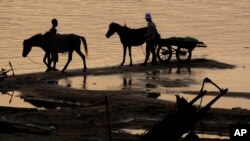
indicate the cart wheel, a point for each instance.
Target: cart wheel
{"x":183,"y":54}
{"x":164,"y":53}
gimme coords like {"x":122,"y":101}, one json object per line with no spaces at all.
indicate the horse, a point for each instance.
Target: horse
{"x":60,"y":43}
{"x":129,"y":37}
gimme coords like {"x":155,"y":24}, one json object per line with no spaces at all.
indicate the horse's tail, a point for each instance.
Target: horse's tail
{"x":85,"y":45}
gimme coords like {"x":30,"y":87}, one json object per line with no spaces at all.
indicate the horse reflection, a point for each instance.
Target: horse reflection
{"x":179,"y":70}
{"x":127,"y":81}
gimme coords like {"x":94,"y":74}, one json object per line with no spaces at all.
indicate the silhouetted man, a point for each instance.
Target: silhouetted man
{"x":150,"y":39}
{"x":53,"y":31}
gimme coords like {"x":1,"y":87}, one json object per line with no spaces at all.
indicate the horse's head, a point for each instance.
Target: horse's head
{"x":113,"y":27}
{"x":28,"y":43}
{"x":26,"y":48}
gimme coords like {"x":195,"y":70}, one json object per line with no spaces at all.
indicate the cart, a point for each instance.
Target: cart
{"x":181,"y":46}
{"x":174,"y":125}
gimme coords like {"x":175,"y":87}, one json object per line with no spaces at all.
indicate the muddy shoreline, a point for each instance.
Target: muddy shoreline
{"x":129,"y":109}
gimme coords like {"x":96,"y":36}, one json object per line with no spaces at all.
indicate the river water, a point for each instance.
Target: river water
{"x":222,"y":24}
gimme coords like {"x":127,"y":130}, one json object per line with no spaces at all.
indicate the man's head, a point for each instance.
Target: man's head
{"x":148,"y":17}
{"x":54,"y":22}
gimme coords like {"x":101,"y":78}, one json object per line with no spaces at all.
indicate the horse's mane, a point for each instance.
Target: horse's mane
{"x":125,"y":26}
{"x":37,"y":36}
{"x":33,"y":38}
{"x":116,"y":25}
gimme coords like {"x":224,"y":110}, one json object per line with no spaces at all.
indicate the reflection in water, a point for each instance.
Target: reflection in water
{"x":127,"y":83}
{"x":162,"y":84}
{"x":155,"y":74}
{"x":8,"y":92}
{"x":157,"y":79}
{"x":180,"y":70}
{"x":104,"y":82}
{"x":84,"y":82}
{"x":11,"y":98}
{"x":66,"y":81}
{"x":183,"y":71}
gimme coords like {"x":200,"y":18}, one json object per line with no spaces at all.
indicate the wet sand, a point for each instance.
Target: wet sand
{"x":87,"y":120}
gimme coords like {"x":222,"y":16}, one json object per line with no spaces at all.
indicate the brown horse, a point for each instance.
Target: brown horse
{"x":53,"y":44}
{"x":129,"y":37}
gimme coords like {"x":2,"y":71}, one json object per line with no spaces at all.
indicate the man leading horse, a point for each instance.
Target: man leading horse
{"x":150,"y":39}
{"x":136,"y":37}
{"x":51,"y":56}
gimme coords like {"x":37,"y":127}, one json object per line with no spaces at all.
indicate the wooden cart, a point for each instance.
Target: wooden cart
{"x":181,"y":46}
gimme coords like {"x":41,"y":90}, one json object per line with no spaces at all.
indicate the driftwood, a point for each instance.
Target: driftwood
{"x":51,"y":103}
{"x":15,"y":123}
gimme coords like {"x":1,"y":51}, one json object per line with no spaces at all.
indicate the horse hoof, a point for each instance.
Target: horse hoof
{"x":55,"y":69}
{"x":131,"y":64}
{"x":48,"y":70}
{"x":121,"y":64}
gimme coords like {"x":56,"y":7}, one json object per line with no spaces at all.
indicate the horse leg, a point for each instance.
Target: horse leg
{"x":124,"y":54}
{"x":44,"y":60}
{"x":69,"y":59}
{"x":48,"y":63}
{"x":130,"y":55}
{"x":83,"y":59}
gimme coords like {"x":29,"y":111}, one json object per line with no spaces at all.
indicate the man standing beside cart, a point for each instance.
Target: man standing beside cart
{"x":150,"y":39}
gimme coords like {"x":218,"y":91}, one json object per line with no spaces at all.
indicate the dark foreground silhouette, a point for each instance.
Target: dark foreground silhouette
{"x":129,"y":37}
{"x":174,"y":125}
{"x":53,"y":44}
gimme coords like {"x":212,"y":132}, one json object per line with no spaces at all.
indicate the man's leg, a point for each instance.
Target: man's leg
{"x":152,"y":50}
{"x":147,"y":52}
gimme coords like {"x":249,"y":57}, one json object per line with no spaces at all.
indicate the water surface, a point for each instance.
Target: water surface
{"x":223,"y":25}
